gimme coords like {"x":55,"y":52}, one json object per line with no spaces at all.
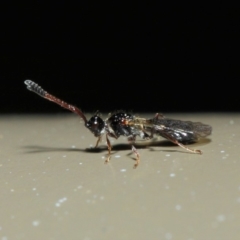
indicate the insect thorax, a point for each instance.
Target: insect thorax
{"x":117,"y":123}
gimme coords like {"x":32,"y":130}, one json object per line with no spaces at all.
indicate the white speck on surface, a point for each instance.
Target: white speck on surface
{"x":123,"y":170}
{"x":222,"y":151}
{"x":35,"y":223}
{"x":102,"y":198}
{"x":117,"y":156}
{"x":48,"y":158}
{"x":73,"y":146}
{"x":67,"y":169}
{"x":64,"y":156}
{"x":168,"y":236}
{"x":34,"y":189}
{"x":12,"y":190}
{"x":172,"y":175}
{"x":80,"y":163}
{"x":231,"y":122}
{"x":238,"y":200}
{"x":167,"y":155}
{"x":79,"y":187}
{"x":60,"y":201}
{"x":221,"y":218}
{"x":178,"y":207}
{"x":4,"y":238}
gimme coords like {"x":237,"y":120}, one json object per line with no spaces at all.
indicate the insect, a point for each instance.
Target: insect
{"x":121,"y":123}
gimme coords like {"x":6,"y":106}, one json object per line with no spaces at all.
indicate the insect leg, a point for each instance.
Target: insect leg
{"x":99,"y":139}
{"x":134,"y":150}
{"x":180,"y":144}
{"x":109,"y":147}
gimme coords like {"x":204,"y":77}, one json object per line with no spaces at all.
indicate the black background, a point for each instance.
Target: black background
{"x":135,"y":57}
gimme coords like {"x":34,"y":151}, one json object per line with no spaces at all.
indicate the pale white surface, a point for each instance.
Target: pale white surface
{"x":52,"y":187}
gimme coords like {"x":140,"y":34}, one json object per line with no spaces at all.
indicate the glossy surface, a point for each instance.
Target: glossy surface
{"x":53,"y":186}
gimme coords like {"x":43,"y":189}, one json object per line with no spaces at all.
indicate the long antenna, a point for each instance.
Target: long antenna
{"x":34,"y":87}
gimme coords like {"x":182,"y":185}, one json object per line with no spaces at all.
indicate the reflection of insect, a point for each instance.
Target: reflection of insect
{"x":123,"y":124}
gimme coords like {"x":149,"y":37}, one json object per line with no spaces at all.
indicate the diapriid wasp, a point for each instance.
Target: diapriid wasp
{"x":121,"y":123}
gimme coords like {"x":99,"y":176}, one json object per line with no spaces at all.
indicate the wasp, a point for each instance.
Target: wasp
{"x":121,"y":123}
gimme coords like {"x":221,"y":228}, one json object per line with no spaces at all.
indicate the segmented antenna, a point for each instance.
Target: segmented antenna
{"x":34,"y":87}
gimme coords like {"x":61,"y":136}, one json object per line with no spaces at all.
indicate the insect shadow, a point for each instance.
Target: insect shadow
{"x":150,"y":145}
